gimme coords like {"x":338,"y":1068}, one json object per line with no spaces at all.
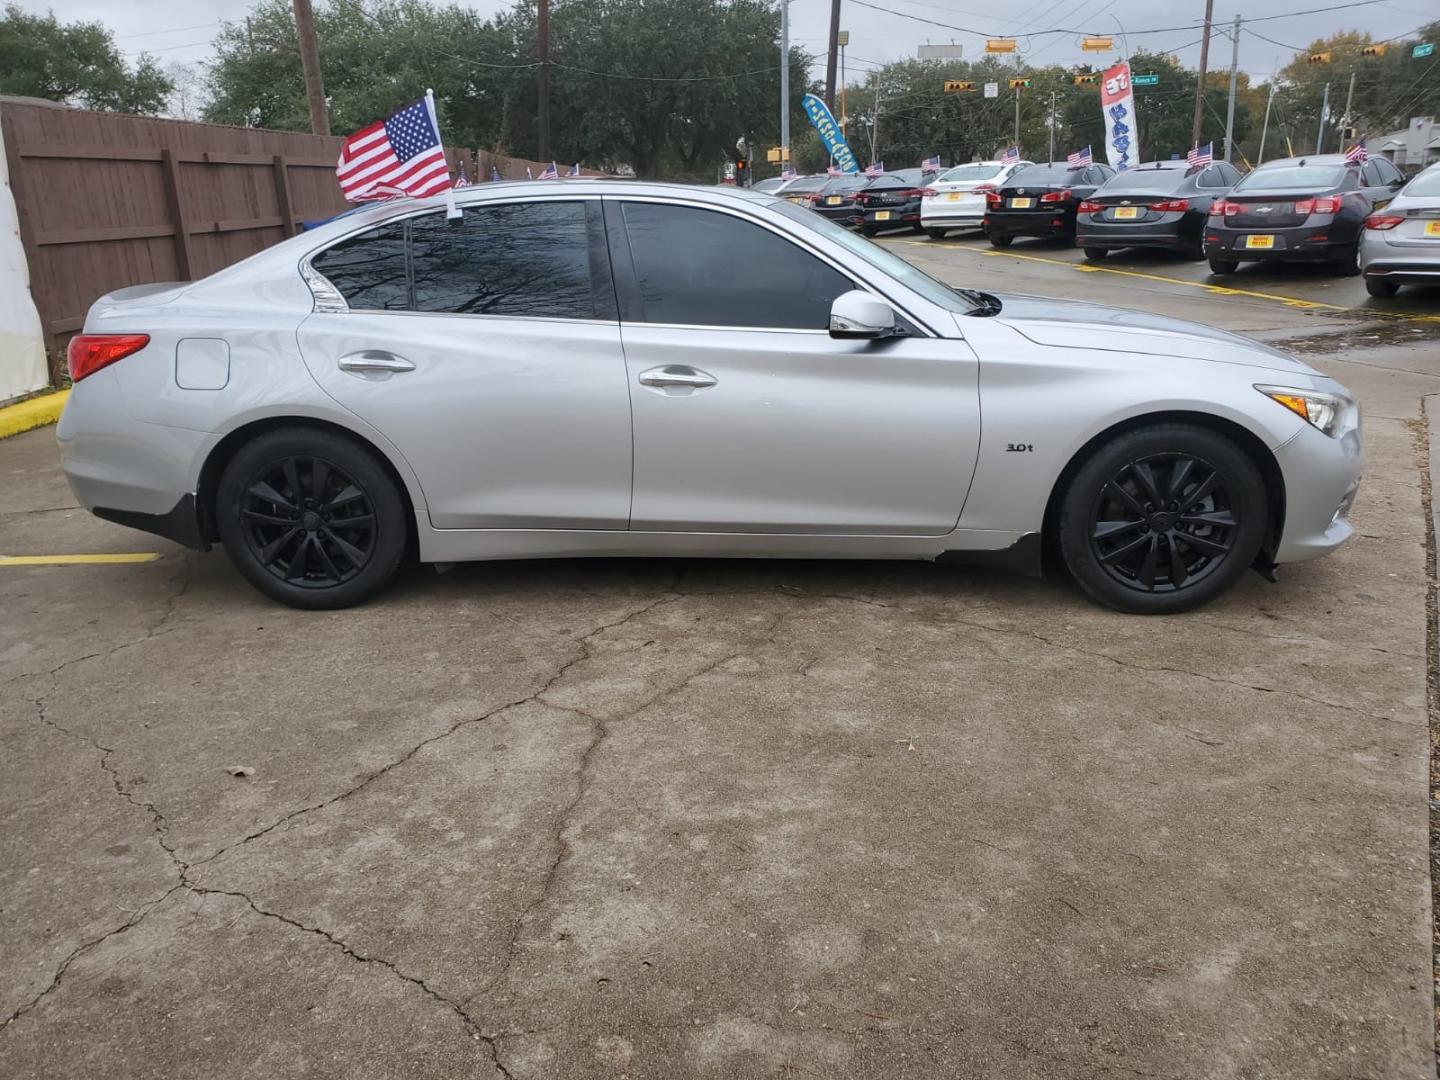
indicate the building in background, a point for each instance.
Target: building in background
{"x":1415,"y":146}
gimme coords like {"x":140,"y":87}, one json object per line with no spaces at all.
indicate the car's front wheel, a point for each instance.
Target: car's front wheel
{"x":310,"y":518}
{"x":1162,"y":519}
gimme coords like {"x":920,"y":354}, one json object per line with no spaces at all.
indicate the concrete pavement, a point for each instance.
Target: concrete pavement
{"x":710,"y":819}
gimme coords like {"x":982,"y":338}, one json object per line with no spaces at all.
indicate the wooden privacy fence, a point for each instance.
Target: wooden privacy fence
{"x":107,"y":200}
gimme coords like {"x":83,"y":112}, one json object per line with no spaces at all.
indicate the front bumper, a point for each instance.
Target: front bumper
{"x":1322,"y":477}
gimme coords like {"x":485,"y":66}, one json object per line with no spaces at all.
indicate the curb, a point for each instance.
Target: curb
{"x":32,"y":413}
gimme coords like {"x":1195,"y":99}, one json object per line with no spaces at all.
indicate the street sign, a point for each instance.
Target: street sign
{"x":992,"y":89}
{"x":842,"y":38}
{"x":1425,"y":48}
{"x":1144,"y":80}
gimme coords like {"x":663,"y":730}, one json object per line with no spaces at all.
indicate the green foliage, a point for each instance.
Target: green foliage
{"x":76,"y":63}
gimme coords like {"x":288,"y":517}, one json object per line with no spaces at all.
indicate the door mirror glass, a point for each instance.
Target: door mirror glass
{"x":858,"y":314}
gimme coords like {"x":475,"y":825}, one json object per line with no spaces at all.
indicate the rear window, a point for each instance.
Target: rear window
{"x":805,"y":183}
{"x":1040,"y":175}
{"x":842,"y":184}
{"x":1427,"y":183}
{"x":1293,"y":178}
{"x":971,"y":173}
{"x":1147,"y":180}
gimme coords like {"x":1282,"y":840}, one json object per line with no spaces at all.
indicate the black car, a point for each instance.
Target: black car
{"x":1040,"y":201}
{"x":1305,"y":208}
{"x":890,"y":201}
{"x":1160,"y":204}
{"x":836,"y":200}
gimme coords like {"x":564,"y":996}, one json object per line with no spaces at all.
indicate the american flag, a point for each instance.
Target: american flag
{"x":495,"y":173}
{"x":461,"y":181}
{"x":574,"y":171}
{"x":834,"y":170}
{"x":1011,"y":155}
{"x":931,"y":163}
{"x":394,"y":157}
{"x":551,"y":173}
{"x":1080,"y":159}
{"x":1201,"y":155}
{"x":787,"y":172}
{"x":875,"y":168}
{"x":1357,"y":154}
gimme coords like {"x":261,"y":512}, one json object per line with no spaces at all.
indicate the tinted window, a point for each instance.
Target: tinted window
{"x":369,"y":269}
{"x":1147,"y":180}
{"x":1388,"y":172}
{"x":843,"y":184}
{"x":1230,"y":174}
{"x":1370,"y":174}
{"x":1055,"y":175}
{"x":512,"y":259}
{"x":773,"y":184}
{"x":1294,"y":178}
{"x":805,"y":183}
{"x":704,"y":268}
{"x":972,"y":172}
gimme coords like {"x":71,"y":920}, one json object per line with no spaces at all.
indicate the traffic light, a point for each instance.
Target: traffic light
{"x":955,"y":86}
{"x":1373,"y":50}
{"x":1088,"y":79}
{"x":1318,"y":58}
{"x":742,"y":173}
{"x":1016,"y":84}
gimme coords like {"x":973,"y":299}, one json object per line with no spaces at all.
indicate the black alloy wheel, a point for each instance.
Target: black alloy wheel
{"x":311,"y":518}
{"x":1162,"y":519}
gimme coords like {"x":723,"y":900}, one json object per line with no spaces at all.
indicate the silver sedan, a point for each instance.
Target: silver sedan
{"x":602,"y":368}
{"x":1401,"y":241}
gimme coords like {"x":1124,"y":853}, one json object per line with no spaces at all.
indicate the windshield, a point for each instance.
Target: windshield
{"x":1040,"y":175}
{"x":1293,"y":178}
{"x":1427,"y":183}
{"x":971,"y":173}
{"x":1146,"y":180}
{"x":881,"y":259}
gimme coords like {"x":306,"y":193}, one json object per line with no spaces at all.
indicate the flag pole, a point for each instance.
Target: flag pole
{"x":451,"y":210}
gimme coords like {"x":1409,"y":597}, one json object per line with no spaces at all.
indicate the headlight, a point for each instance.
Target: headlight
{"x":1324,"y":411}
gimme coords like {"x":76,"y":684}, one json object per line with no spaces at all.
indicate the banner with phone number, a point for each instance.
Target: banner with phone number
{"x":824,"y":122}
{"x":1117,"y":102}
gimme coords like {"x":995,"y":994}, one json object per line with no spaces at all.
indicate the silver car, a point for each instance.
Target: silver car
{"x":1400,"y":244}
{"x":603,"y":368}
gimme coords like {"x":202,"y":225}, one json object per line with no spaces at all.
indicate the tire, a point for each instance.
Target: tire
{"x":1223,"y":266}
{"x":937,"y":234}
{"x":1348,"y":265}
{"x":292,"y":546}
{"x":1160,"y":562}
{"x":1094,"y":254}
{"x":1194,"y":248}
{"x":1380,"y":287}
{"x":917,"y":228}
{"x":1001,"y":241}
{"x":869,"y":230}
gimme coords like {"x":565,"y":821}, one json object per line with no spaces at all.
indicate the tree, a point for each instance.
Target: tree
{"x":76,"y":63}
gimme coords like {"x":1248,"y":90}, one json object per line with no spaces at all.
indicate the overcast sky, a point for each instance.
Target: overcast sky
{"x":180,"y":30}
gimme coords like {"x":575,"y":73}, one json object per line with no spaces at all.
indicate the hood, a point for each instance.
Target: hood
{"x":1078,"y":324}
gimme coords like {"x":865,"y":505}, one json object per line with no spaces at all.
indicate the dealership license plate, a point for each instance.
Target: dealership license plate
{"x":882,"y":215}
{"x":954,"y":196}
{"x":1127,"y":213}
{"x":1432,"y":228}
{"x":1021,"y":204}
{"x":1262,"y":241}
{"x":833,"y":200}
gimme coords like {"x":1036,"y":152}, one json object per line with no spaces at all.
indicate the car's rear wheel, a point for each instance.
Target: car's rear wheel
{"x":937,"y":234}
{"x":310,"y":518}
{"x":869,"y":230}
{"x":1381,"y":287}
{"x":1223,"y":266}
{"x":1001,"y":241}
{"x":1095,"y":254}
{"x":1163,"y":519}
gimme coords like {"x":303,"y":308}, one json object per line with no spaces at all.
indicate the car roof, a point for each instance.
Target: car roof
{"x":1172,"y":163}
{"x":1308,"y":159}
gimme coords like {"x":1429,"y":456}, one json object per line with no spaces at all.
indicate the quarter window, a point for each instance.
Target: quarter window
{"x":704,"y":268}
{"x":369,"y":269}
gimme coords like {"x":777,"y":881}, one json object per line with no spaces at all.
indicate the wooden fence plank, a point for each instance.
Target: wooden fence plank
{"x":177,"y":214}
{"x":96,"y":236}
{"x":283,"y":198}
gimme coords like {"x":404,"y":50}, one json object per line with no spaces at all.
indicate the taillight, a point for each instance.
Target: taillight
{"x":1381,"y":222}
{"x":992,"y":198}
{"x":1088,"y":207}
{"x":1224,"y":207}
{"x":1325,"y":204}
{"x":983,"y":189}
{"x":918,"y":193}
{"x":862,"y":198}
{"x":1055,"y":196}
{"x":814,"y":196}
{"x":89,"y":353}
{"x":1171,"y":206}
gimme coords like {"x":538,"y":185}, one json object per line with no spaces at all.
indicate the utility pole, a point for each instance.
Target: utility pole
{"x":542,"y":31}
{"x":830,"y":59}
{"x":1324,"y":115}
{"x":1265,"y":127}
{"x":1200,"y":77}
{"x":1052,"y":126}
{"x":1234,"y":68}
{"x":1345,"y":120}
{"x":310,"y":61}
{"x":875,"y":123}
{"x":1017,"y":114}
{"x":844,"y":40}
{"x":784,"y":83}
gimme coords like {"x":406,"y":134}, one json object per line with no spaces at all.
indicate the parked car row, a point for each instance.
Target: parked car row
{"x":1354,"y":215}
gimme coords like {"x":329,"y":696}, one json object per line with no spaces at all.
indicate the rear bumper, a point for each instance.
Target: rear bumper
{"x":1299,"y":242}
{"x":899,"y":218}
{"x":1027,"y":224}
{"x":1119,"y":236}
{"x":952,"y":215}
{"x":1404,"y":271}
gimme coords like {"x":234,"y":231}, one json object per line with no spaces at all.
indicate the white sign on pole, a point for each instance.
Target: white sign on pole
{"x":992,"y":89}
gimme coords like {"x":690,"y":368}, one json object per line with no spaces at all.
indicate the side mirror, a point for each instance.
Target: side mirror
{"x":859,"y":314}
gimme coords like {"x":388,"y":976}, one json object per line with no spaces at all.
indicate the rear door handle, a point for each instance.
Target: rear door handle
{"x":375,"y":362}
{"x":677,"y":375}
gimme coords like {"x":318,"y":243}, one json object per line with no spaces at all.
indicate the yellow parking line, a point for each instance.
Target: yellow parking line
{"x":1214,"y":290}
{"x":78,"y":560}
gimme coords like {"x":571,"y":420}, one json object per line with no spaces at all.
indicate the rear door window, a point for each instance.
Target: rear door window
{"x":369,"y":268}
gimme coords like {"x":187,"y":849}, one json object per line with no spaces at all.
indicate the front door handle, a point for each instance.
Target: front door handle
{"x":677,"y":375}
{"x":375,"y":362}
